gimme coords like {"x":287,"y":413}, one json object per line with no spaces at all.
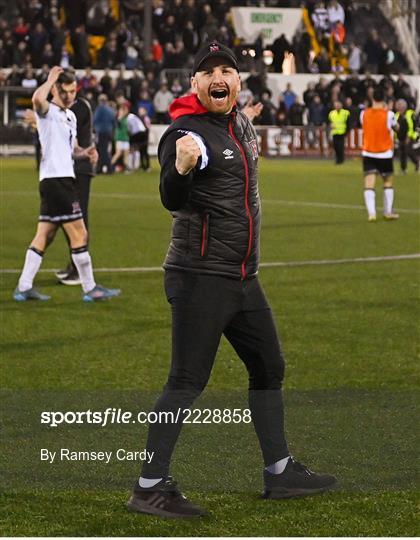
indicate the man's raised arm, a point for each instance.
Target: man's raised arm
{"x":40,"y":96}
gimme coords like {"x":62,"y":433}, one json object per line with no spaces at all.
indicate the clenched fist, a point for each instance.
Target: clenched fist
{"x":187,"y":154}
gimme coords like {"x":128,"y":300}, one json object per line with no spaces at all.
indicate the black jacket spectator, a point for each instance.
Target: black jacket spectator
{"x":353,"y":120}
{"x":37,"y":41}
{"x":14,"y":78}
{"x":279,"y":47}
{"x":190,"y":38}
{"x":79,"y":41}
{"x":268,"y":113}
{"x":317,"y":114}
{"x":168,"y":31}
{"x":134,"y":85}
{"x":323,"y":90}
{"x":58,"y":39}
{"x":373,"y":50}
{"x":296,"y":114}
{"x":323,"y":61}
{"x":309,"y":94}
{"x":352,"y":88}
{"x":109,"y":56}
{"x":106,"y":82}
{"x":255,"y":83}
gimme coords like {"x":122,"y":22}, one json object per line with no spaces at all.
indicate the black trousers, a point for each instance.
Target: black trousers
{"x":407,"y":151}
{"x":203,"y":308}
{"x":104,"y":149}
{"x":144,"y":151}
{"x":83,"y":182}
{"x":338,"y":143}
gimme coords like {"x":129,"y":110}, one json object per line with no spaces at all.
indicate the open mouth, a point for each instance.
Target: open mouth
{"x":219,"y":94}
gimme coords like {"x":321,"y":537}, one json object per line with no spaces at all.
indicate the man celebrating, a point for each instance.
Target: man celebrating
{"x":378,"y":148}
{"x":208,"y":160}
{"x":56,"y":126}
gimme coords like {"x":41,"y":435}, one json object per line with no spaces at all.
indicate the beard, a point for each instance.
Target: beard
{"x":218,"y":100}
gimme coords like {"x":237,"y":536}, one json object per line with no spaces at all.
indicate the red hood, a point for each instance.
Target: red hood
{"x":186,"y":105}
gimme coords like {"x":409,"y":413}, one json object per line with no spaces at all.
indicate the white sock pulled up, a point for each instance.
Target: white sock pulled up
{"x":83,"y":262}
{"x":33,"y":261}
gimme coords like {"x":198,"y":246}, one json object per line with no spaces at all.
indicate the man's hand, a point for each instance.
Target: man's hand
{"x":187,"y":154}
{"x":40,"y":96}
{"x":83,"y":153}
{"x":92,"y":154}
{"x":252,"y":111}
{"x":53,"y":75}
{"x":29,"y":118}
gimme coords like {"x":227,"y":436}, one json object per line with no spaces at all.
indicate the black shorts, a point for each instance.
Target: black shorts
{"x":138,"y":138}
{"x":59,"y":201}
{"x":382,"y":166}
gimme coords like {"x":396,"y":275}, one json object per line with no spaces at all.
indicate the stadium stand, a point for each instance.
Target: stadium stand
{"x":336,"y":47}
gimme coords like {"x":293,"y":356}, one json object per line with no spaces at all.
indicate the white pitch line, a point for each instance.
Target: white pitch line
{"x":322,"y":262}
{"x":276,"y":264}
{"x":146,"y":197}
{"x":332,"y":205}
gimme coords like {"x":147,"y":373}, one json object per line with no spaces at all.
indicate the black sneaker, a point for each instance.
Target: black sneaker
{"x":65,"y":271}
{"x":296,"y":481}
{"x":72,"y":278}
{"x":164,"y":500}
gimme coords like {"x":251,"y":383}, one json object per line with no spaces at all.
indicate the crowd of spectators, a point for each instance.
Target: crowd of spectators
{"x":312,"y":108}
{"x":334,"y":23}
{"x":154,"y":97}
{"x":90,"y":33}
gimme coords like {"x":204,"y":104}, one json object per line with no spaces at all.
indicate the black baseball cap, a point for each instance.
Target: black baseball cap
{"x":211,"y":50}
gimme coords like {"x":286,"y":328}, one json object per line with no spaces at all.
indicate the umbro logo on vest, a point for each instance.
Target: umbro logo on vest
{"x":228,"y":153}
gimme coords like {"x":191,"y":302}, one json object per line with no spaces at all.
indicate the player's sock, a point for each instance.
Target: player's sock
{"x":83,"y":262}
{"x":148,"y":482}
{"x":370,"y":197}
{"x":278,"y":467}
{"x":388,"y":200}
{"x":33,"y":261}
{"x":136,"y":160}
{"x":130,"y":161}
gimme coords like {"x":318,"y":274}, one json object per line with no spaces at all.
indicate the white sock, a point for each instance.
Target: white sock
{"x":278,"y":467}
{"x":370,"y":197}
{"x":33,"y":261}
{"x":388,"y":200}
{"x":83,"y":262}
{"x":136,"y":159}
{"x":130,"y":161}
{"x":148,"y":482}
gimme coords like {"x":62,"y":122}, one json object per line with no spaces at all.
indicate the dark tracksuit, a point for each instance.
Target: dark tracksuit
{"x":83,"y":169}
{"x":405,"y":144}
{"x":211,"y":278}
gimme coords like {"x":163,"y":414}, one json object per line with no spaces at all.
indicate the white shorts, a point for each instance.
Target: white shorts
{"x":122,"y":145}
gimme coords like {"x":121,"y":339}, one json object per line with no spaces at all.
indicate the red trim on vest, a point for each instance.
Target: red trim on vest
{"x":248,"y":211}
{"x":186,"y":105}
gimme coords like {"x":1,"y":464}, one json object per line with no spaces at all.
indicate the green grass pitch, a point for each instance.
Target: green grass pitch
{"x":349,"y":333}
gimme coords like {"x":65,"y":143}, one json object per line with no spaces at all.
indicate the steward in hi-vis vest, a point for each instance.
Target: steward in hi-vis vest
{"x":338,"y":119}
{"x":407,"y":135}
